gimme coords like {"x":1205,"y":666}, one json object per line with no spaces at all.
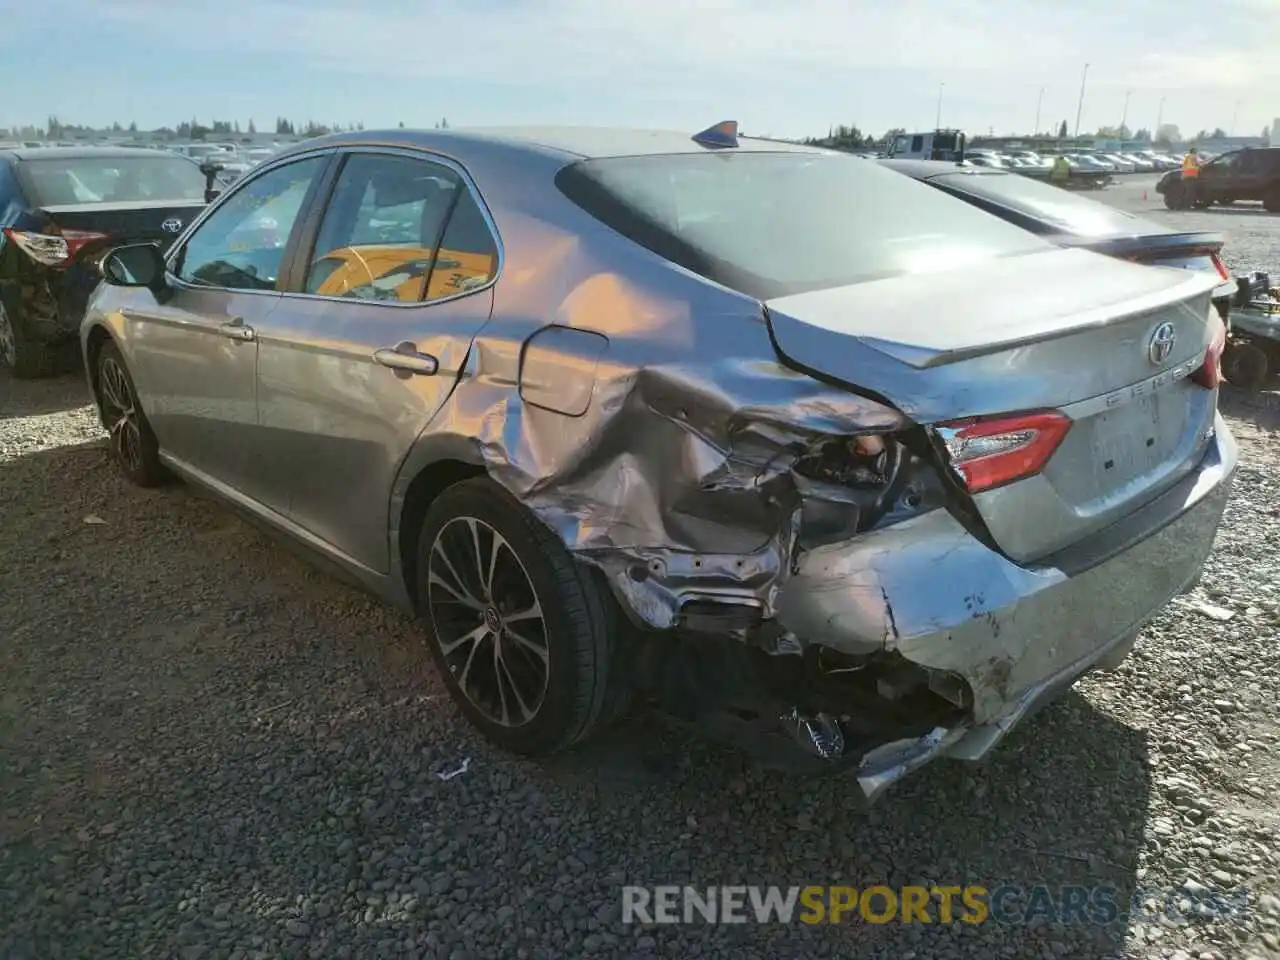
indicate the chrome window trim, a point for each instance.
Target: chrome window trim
{"x":468,"y":182}
{"x":180,"y":244}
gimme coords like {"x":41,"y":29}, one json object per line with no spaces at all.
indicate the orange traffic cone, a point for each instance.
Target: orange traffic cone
{"x":1144,"y":196}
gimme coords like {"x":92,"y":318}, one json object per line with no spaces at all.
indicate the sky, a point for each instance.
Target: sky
{"x":783,"y":68}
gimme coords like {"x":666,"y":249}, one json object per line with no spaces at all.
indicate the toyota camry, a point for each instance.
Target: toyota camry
{"x":811,"y":455}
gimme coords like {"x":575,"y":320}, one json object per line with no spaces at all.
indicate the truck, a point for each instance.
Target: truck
{"x":933,"y":145}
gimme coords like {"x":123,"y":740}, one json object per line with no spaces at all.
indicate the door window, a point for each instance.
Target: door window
{"x":468,"y":256}
{"x":241,"y":246}
{"x":380,"y":231}
{"x":1250,"y":162}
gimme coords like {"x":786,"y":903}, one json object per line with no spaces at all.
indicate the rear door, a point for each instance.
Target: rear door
{"x":391,"y":286}
{"x":194,"y":355}
{"x":1251,"y":177}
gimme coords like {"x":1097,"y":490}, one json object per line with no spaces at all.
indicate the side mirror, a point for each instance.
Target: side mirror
{"x":134,"y":265}
{"x":210,"y":169}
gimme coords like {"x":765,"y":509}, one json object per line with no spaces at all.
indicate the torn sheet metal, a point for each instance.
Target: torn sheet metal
{"x":676,"y":479}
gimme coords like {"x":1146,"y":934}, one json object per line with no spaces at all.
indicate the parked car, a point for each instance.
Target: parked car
{"x":1141,"y":164}
{"x":816,"y":456}
{"x":1116,"y":162}
{"x":1249,"y":174}
{"x":59,"y":209}
{"x":1071,"y":220}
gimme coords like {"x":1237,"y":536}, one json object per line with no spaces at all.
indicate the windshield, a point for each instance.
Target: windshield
{"x":111,"y":180}
{"x":1068,"y":212}
{"x":772,"y":224}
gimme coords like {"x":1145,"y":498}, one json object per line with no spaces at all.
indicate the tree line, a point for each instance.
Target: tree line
{"x":193,"y":129}
{"x":850,"y":136}
{"x":840,"y":137}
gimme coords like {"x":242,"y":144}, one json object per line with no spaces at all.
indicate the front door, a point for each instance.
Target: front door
{"x":194,"y":356}
{"x":361,"y":356}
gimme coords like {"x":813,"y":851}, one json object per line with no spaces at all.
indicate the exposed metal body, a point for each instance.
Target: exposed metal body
{"x":652,"y":420}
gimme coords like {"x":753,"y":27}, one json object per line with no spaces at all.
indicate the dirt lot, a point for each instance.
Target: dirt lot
{"x":209,"y":750}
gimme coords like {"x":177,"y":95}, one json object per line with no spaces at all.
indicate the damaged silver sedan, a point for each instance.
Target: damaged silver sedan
{"x":812,"y":455}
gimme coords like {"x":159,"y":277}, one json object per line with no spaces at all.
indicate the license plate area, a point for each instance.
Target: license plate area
{"x":1136,"y":438}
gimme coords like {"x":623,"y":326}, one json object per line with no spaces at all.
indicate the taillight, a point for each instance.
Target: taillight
{"x":1219,"y":266}
{"x":1210,"y":375}
{"x":990,"y":452}
{"x":52,"y":250}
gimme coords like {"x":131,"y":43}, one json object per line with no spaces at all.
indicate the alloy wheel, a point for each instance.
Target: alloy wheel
{"x":120,"y":411}
{"x":488,"y":621}
{"x":8,"y":349}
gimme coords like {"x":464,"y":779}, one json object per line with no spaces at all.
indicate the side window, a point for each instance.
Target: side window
{"x":1227,"y":163}
{"x":241,"y":245}
{"x":917,"y":144}
{"x":1250,"y":162}
{"x":381,"y":228}
{"x":468,"y":256}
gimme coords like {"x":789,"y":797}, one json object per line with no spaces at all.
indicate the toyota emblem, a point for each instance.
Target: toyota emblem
{"x":172,"y":225}
{"x":1162,"y":340}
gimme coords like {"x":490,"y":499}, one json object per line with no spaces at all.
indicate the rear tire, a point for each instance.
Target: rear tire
{"x":1246,"y":366}
{"x":28,"y":359}
{"x":523,"y":635}
{"x":133,"y":444}
{"x":1272,"y":202}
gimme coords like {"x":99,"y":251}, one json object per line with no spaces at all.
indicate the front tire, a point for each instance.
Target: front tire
{"x":1175,"y":197}
{"x":523,"y":635}
{"x":1272,"y":202}
{"x":133,"y":445}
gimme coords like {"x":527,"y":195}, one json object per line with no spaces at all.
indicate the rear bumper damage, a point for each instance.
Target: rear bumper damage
{"x":916,"y":640}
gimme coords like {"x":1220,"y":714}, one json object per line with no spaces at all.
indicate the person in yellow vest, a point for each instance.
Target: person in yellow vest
{"x":1190,"y":165}
{"x":1061,"y":171}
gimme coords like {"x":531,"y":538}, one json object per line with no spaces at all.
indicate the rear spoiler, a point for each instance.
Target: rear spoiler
{"x":1196,"y":243}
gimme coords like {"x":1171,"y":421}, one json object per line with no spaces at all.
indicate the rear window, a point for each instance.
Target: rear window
{"x":1067,"y":212}
{"x":773,"y":224}
{"x":58,"y":181}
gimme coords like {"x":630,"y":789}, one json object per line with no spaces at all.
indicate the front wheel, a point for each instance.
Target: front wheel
{"x":1272,"y":201}
{"x":523,"y":635}
{"x":133,"y":445}
{"x":1175,"y":197}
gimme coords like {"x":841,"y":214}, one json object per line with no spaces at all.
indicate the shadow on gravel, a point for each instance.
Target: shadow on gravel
{"x":205,"y":748}
{"x":1261,"y":409}
{"x":33,"y":398}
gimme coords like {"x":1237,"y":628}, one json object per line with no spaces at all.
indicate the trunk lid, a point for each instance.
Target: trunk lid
{"x":133,"y":222}
{"x":1062,"y":329}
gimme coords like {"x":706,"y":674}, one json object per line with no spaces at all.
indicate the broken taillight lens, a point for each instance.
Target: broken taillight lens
{"x":52,"y":250}
{"x":1220,"y":266}
{"x":990,"y":452}
{"x":1209,"y":375}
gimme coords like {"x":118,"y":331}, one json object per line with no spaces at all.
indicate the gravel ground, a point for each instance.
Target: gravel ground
{"x":209,"y":750}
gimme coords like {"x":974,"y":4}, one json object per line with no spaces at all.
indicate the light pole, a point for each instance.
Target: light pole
{"x":1124,"y":117}
{"x":1039,"y":104}
{"x":1234,"y":117}
{"x":938,"y":123}
{"x":1080,"y":106}
{"x":1159,"y":121}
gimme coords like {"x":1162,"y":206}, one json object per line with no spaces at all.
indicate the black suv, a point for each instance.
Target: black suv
{"x":1249,"y":174}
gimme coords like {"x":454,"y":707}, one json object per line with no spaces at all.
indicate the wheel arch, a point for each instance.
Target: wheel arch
{"x":94,"y":341}
{"x":433,"y":465}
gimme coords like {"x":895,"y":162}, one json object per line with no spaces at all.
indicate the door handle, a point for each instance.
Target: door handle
{"x":405,"y":356}
{"x":236,"y":330}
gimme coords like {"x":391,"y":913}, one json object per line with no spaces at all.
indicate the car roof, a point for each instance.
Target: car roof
{"x":81,"y":153}
{"x":567,"y":143}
